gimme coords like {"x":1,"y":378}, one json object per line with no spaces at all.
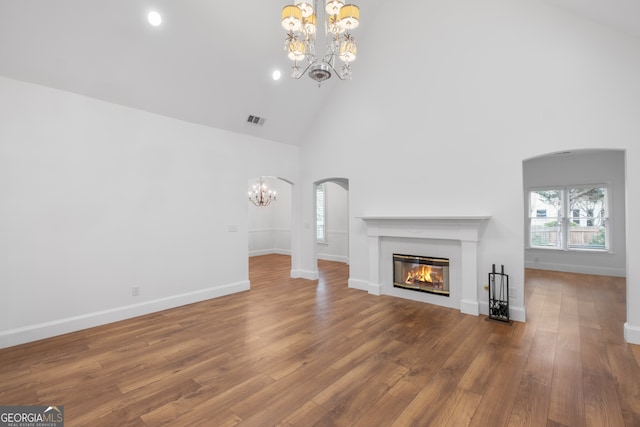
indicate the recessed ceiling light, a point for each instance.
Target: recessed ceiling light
{"x":276,"y":75}
{"x":154,"y":18}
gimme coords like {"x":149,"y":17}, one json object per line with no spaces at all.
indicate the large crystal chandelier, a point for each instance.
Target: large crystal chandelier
{"x":300,"y":22}
{"x":260,"y":195}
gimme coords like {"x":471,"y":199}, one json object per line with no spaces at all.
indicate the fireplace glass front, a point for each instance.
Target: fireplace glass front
{"x":420,"y":273}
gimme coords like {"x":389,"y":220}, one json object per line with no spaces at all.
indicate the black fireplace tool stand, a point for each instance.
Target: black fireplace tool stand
{"x":499,"y":295}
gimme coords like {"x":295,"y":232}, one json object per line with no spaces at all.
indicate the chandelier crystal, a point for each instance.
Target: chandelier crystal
{"x":300,"y":22}
{"x":260,"y":195}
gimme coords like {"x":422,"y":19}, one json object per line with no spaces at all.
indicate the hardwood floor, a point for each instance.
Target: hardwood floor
{"x":292,"y":352}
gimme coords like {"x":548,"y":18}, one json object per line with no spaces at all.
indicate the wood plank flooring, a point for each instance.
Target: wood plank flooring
{"x":292,"y":352}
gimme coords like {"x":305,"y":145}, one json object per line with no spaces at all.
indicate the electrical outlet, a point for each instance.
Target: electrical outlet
{"x":135,"y":291}
{"x":512,"y":293}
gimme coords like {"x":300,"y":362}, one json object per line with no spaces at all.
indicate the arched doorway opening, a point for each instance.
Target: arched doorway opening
{"x":270,"y":227}
{"x":575,"y":214}
{"x":581,"y":235}
{"x":331,"y":225}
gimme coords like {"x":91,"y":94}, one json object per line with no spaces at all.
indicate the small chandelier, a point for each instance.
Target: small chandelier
{"x":300,"y":22}
{"x":260,"y":195}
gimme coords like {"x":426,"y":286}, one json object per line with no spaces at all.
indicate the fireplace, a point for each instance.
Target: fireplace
{"x":453,"y":237}
{"x":421,"y":273}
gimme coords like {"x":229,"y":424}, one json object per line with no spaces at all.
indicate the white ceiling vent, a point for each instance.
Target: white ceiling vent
{"x":255,"y":120}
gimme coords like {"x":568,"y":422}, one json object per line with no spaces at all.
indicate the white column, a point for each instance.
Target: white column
{"x":374,"y":285}
{"x":469,"y":303}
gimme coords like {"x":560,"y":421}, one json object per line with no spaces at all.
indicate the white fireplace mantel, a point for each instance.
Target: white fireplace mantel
{"x":464,"y":229}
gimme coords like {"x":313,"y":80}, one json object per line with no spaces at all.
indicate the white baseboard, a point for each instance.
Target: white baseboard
{"x":632,"y":334}
{"x":469,"y":307}
{"x":364,"y":285}
{"x":305,"y":274}
{"x":337,"y":258}
{"x":71,"y":324}
{"x":580,"y":269}
{"x":260,"y":252}
{"x":269,"y":252}
{"x":517,"y":314}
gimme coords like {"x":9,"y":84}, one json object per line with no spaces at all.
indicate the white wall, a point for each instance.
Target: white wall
{"x":96,"y":198}
{"x":270,"y":226}
{"x":582,"y":167}
{"x":441,"y":123}
{"x":336,"y":247}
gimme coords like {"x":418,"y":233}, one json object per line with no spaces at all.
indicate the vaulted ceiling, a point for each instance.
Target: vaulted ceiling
{"x":210,"y":62}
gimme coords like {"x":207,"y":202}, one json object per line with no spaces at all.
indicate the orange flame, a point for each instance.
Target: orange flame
{"x":422,"y":274}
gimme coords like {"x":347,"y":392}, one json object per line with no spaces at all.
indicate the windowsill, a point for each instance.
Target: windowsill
{"x":572,"y":251}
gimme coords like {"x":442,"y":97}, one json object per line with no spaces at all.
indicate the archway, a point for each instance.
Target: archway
{"x":564,"y":172}
{"x":270,"y":227}
{"x":331,"y":222}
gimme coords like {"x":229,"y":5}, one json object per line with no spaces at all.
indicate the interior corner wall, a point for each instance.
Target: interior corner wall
{"x":99,"y":200}
{"x":582,"y":167}
{"x":446,"y":132}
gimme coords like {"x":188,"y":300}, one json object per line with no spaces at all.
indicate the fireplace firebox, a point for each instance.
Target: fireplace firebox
{"x":421,"y":273}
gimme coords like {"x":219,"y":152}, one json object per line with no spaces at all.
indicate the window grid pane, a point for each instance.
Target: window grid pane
{"x":320,"y":215}
{"x":546,"y":233}
{"x":588,"y":230}
{"x":545,"y":226}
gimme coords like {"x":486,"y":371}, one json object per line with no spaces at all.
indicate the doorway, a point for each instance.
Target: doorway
{"x":331,"y":207}
{"x":561,"y":173}
{"x":270,"y":226}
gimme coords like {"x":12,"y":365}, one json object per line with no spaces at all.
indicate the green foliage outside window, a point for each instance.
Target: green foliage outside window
{"x":599,"y":239}
{"x":538,"y":240}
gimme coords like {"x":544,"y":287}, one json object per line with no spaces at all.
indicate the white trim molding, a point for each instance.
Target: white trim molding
{"x":305,"y":274}
{"x":72,"y":324}
{"x":631,"y":334}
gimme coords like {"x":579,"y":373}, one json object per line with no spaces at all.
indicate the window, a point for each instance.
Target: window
{"x":321,"y":205}
{"x":545,"y":230}
{"x":577,"y":218}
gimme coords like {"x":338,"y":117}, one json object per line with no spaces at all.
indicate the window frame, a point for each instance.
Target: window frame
{"x":566,"y":215}
{"x":532,"y":214}
{"x":321,"y":211}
